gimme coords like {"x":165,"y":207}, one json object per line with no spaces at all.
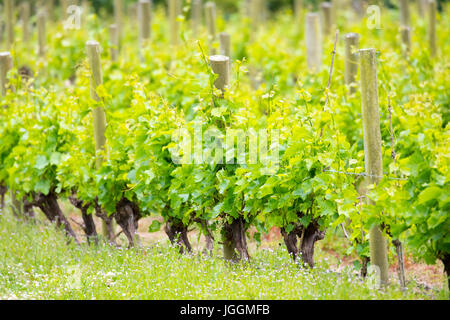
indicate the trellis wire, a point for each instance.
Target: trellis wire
{"x":364,"y":175}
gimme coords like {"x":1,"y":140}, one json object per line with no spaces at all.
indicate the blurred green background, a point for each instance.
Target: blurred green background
{"x":230,"y":5}
{"x":233,"y":5}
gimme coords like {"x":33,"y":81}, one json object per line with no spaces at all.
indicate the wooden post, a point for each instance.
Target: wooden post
{"x":2,"y":25}
{"x":25,"y":16}
{"x":313,"y":42}
{"x":225,"y":44}
{"x":220,"y":65}
{"x":64,"y":7}
{"x":359,"y":9}
{"x":99,"y":118}
{"x":255,"y":13}
{"x":9,"y":19}
{"x":42,"y":35}
{"x":6,"y":64}
{"x":114,"y":40}
{"x":351,"y":59}
{"x":404,"y":13}
{"x":174,"y":11}
{"x":196,"y":16}
{"x":432,"y":27}
{"x":405,"y":33}
{"x":98,"y":114}
{"x":264,"y":11}
{"x":132,"y":11}
{"x":50,"y":5}
{"x":421,"y":7}
{"x":118,"y":17}
{"x":335,"y":6}
{"x":210,"y":14}
{"x":84,"y":11}
{"x":245,"y":9}
{"x":326,"y":18}
{"x":373,"y":153}
{"x":144,"y":18}
{"x":298,"y":6}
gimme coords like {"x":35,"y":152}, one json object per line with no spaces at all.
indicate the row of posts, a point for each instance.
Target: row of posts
{"x":220,"y":64}
{"x":317,"y":25}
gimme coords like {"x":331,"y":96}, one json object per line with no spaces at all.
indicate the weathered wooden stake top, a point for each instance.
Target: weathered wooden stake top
{"x":114,"y":39}
{"x":64,"y":7}
{"x":196,"y":16}
{"x":25,"y":16}
{"x":405,"y":34}
{"x":405,"y":19}
{"x":298,"y":6}
{"x":225,"y":44}
{"x":372,"y":151}
{"x":256,"y":13}
{"x":220,"y":65}
{"x":42,"y":33}
{"x":327,"y":18}
{"x":9,"y":19}
{"x":421,"y":7}
{"x":432,"y":27}
{"x":85,"y":8}
{"x":351,"y":59}
{"x":313,"y":42}
{"x":174,"y":12}
{"x":6,"y":63}
{"x":118,"y":17}
{"x":50,"y":6}
{"x":144,"y":18}
{"x":210,"y":8}
{"x":335,"y":6}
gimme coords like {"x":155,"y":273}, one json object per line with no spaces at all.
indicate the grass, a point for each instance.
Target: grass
{"x":37,"y":262}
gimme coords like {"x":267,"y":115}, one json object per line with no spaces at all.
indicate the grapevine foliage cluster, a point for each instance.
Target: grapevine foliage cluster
{"x":47,"y":145}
